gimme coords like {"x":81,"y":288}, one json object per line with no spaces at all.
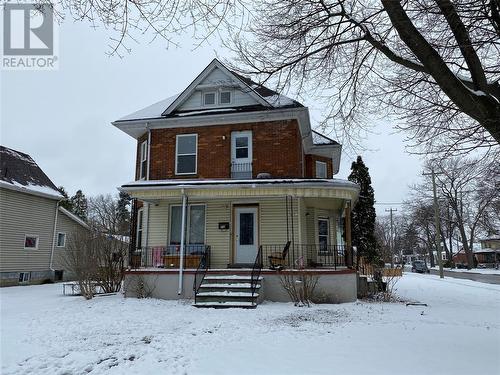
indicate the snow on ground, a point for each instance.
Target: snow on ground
{"x":484,"y":271}
{"x":43,"y":332}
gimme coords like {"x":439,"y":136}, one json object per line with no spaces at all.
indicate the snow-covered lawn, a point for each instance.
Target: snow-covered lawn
{"x":484,"y":271}
{"x":43,"y":332}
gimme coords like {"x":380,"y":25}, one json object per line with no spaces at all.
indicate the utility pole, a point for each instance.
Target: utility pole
{"x":391,"y":241}
{"x":437,"y":224}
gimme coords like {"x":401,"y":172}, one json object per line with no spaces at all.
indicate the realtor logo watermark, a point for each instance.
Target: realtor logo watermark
{"x":29,"y":37}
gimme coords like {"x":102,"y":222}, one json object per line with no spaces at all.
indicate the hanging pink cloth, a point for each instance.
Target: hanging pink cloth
{"x":158,"y":256}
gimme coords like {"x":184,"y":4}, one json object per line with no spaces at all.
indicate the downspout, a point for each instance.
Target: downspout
{"x":146,"y":237}
{"x":54,"y":239}
{"x":183,"y":230}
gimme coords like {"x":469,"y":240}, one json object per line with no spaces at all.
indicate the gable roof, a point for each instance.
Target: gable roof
{"x":73,"y":217}
{"x":265,"y":98}
{"x":18,"y":171}
{"x":320,"y":139}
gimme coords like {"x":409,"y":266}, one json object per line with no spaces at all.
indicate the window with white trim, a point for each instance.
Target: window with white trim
{"x":195,"y":226}
{"x":209,"y":98}
{"x":30,"y":242}
{"x":24,"y":277}
{"x":186,"y":148}
{"x":61,"y":239}
{"x":225,"y":97}
{"x":321,"y":169}
{"x":140,"y":215}
{"x":144,"y":160}
{"x":323,"y":234}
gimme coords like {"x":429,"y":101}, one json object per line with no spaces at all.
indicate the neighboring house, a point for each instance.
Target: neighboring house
{"x":489,"y":254}
{"x":34,"y":230}
{"x":236,"y":167}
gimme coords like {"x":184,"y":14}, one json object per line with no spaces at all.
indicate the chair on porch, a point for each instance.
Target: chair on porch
{"x":277,"y":259}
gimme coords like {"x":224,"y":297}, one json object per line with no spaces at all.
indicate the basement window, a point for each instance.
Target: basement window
{"x":24,"y":277}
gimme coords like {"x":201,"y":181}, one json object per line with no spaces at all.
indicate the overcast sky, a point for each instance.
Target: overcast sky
{"x":62,"y":118}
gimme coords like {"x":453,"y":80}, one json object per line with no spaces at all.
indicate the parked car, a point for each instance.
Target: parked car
{"x":419,"y":266}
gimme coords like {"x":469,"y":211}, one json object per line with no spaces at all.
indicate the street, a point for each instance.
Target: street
{"x":490,"y":279}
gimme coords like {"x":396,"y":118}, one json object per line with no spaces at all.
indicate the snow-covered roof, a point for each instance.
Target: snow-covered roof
{"x":231,"y":183}
{"x":18,"y":171}
{"x":269,"y":99}
{"x":153,"y":111}
{"x":320,"y":139}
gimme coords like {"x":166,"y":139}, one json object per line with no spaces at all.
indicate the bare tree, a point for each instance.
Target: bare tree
{"x":81,"y":261}
{"x":432,"y":63}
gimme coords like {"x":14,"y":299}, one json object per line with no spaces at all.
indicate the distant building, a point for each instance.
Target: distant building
{"x":34,"y":230}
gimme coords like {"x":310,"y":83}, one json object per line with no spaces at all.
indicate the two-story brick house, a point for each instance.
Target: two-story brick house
{"x":232,"y":166}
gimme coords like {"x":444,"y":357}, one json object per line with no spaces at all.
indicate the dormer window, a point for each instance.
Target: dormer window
{"x":225,"y":97}
{"x":209,"y":98}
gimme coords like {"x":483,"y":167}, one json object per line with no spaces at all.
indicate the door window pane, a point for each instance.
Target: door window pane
{"x":246,"y":229}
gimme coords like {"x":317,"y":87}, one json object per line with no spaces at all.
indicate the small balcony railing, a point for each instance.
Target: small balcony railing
{"x":167,"y":256}
{"x":241,"y":171}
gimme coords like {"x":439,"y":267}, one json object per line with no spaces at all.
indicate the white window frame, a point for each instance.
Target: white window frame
{"x":64,"y":239}
{"x":37,"y":241}
{"x":230,"y":97}
{"x":140,"y":228}
{"x":322,"y":164}
{"x":215,"y":98}
{"x":143,"y":159}
{"x":238,"y":134}
{"x":177,"y":154}
{"x":328,"y":239}
{"x":24,"y":278}
{"x":188,"y":222}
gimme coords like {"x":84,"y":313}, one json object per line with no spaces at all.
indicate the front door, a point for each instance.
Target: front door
{"x":246,"y":234}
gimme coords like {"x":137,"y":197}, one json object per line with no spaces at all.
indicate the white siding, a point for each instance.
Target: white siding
{"x":22,"y":214}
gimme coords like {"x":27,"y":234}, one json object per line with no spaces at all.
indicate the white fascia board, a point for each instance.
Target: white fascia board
{"x":193,"y":85}
{"x":136,"y":128}
{"x":27,"y":190}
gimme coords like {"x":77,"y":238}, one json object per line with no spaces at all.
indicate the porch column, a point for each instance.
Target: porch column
{"x":183,"y":230}
{"x":348,"y":240}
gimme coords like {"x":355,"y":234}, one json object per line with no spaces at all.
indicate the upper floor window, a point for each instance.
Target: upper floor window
{"x":222,"y":97}
{"x":209,"y":98}
{"x":225,"y":97}
{"x":30,"y":242}
{"x":144,"y":160}
{"x":321,"y":169}
{"x":140,"y":216}
{"x":186,"y":154}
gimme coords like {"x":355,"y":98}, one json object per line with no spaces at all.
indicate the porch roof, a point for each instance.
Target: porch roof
{"x":221,"y":188}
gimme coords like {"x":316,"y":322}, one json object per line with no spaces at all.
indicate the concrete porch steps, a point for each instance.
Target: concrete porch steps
{"x":225,"y":291}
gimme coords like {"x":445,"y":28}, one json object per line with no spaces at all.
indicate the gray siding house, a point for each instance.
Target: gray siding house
{"x":33,"y":228}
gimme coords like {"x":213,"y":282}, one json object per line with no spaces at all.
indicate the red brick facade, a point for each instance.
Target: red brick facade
{"x":277,"y":150}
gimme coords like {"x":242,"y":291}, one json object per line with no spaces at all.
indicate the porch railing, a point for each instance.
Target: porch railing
{"x":257,"y":267}
{"x":169,"y":256}
{"x":307,"y":256}
{"x":241,"y":170}
{"x":201,"y":271}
